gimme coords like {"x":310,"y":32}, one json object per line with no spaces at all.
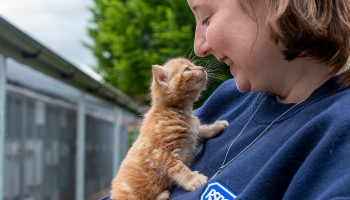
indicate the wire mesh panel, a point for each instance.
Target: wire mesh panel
{"x":99,"y":149}
{"x":39,"y":150}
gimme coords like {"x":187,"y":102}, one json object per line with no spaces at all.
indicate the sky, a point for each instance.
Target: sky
{"x":60,"y":25}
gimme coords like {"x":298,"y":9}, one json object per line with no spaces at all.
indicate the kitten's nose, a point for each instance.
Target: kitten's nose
{"x":200,"y":68}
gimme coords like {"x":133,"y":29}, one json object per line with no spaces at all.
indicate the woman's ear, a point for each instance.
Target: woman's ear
{"x":160,"y":75}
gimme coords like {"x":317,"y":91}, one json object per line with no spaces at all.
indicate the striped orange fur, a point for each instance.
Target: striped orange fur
{"x":163,"y":152}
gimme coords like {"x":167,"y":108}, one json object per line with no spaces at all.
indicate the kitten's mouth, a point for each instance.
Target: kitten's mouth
{"x":203,"y":78}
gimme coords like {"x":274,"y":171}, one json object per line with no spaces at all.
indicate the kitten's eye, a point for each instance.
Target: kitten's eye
{"x":187,"y":69}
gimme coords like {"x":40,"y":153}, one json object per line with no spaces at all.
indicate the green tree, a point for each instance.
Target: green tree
{"x":131,"y":35}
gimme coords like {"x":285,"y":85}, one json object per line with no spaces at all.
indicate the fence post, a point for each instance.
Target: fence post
{"x":117,"y":139}
{"x":80,"y":161}
{"x":3,"y":80}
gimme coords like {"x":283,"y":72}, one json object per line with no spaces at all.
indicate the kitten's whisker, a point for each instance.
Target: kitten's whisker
{"x":212,"y":78}
{"x":189,"y":54}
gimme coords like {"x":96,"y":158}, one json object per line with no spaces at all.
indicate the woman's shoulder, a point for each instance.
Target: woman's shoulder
{"x":335,"y":103}
{"x":331,"y":98}
{"x":330,"y":111}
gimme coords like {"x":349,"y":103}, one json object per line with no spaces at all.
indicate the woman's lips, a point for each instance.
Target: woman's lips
{"x":231,"y":65}
{"x":226,"y":60}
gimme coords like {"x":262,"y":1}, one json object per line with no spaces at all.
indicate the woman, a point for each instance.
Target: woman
{"x":288,"y":104}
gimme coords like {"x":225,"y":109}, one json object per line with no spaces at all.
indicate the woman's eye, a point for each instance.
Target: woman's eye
{"x":187,"y":69}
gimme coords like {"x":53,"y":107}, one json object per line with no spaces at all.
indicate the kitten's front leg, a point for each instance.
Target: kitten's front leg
{"x":208,"y":131}
{"x":182,"y":175}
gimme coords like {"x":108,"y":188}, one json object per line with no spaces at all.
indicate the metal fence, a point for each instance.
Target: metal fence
{"x":59,"y":140}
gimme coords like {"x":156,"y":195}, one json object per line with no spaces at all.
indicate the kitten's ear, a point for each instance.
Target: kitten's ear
{"x":160,"y":75}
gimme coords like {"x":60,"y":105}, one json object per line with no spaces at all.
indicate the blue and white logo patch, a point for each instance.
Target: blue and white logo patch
{"x":216,"y":190}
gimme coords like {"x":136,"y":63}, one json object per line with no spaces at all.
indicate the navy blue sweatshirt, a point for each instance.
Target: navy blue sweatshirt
{"x":305,"y":154}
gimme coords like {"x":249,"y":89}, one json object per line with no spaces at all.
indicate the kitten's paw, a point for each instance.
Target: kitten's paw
{"x":209,"y":131}
{"x":163,"y":195}
{"x":218,"y":126}
{"x":221,"y":124}
{"x":196,"y":181}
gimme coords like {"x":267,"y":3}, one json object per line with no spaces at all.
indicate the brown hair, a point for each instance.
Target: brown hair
{"x":319,"y":29}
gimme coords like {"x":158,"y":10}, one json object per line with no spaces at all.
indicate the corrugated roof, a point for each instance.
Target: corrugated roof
{"x":21,"y":47}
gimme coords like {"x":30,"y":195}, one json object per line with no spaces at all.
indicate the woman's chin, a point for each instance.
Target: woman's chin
{"x":243,"y":87}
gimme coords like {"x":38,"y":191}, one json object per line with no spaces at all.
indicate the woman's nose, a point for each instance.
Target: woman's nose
{"x":201,"y":47}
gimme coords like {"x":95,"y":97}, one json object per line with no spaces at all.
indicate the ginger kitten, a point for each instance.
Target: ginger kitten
{"x":168,"y":136}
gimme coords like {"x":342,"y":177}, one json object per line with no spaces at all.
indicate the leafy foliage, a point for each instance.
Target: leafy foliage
{"x":131,"y":35}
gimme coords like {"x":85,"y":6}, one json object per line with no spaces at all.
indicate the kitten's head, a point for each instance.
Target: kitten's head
{"x":177,"y":83}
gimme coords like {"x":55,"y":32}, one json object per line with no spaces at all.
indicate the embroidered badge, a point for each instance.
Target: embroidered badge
{"x":217,"y":191}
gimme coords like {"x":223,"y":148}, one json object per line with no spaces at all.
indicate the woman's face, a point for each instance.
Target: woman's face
{"x":234,"y":32}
